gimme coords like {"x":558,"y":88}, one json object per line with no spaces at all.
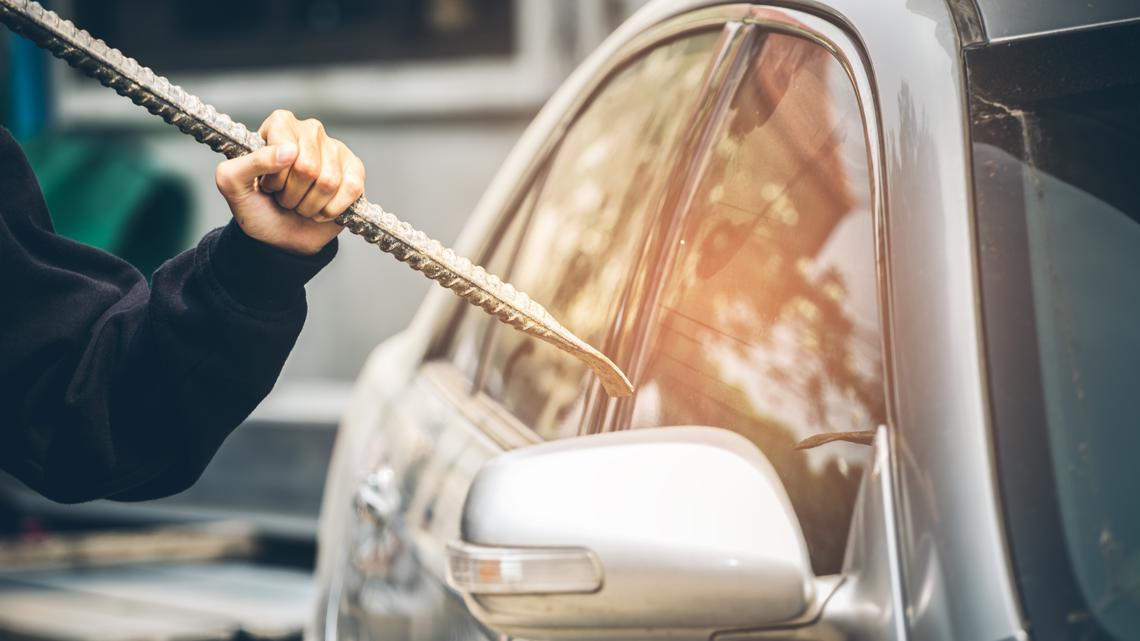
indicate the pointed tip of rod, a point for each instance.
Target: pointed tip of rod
{"x":614,"y":381}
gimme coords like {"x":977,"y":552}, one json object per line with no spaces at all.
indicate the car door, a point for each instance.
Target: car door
{"x":571,"y":240}
{"x":755,"y":308}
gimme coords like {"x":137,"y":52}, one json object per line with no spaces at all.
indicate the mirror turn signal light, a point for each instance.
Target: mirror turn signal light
{"x":484,"y":569}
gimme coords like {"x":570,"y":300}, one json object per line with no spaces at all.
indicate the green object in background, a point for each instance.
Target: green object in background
{"x":100,"y":191}
{"x":104,"y":193}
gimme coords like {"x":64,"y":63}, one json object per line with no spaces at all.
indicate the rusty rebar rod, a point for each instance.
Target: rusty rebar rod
{"x":367,"y":220}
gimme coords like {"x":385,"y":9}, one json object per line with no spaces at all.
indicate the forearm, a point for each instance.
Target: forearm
{"x":110,"y":389}
{"x":221,"y":332}
{"x":132,"y":391}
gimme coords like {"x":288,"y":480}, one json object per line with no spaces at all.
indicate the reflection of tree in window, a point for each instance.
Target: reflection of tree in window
{"x":768,"y":322}
{"x":593,"y":213}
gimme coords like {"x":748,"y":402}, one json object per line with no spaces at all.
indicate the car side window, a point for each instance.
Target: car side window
{"x":767,"y":322}
{"x":600,"y":196}
{"x":461,"y":341}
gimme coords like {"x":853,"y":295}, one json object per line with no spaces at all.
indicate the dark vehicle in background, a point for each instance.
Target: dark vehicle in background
{"x":916,"y":218}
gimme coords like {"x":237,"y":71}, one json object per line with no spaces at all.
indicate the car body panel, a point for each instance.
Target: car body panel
{"x":958,"y":583}
{"x":954,"y":560}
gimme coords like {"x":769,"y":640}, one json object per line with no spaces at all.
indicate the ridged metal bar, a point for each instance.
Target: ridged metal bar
{"x":367,"y":220}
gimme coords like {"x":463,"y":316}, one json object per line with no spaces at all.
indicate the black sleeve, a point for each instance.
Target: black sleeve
{"x":111,"y":389}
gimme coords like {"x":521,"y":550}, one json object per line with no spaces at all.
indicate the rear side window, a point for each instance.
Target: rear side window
{"x":767,"y":323}
{"x":589,"y":221}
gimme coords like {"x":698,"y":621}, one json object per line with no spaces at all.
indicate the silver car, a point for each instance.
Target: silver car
{"x":872,"y":268}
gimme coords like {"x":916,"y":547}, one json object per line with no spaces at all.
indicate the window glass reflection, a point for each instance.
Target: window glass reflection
{"x":768,"y":322}
{"x":589,"y":221}
{"x":461,"y":341}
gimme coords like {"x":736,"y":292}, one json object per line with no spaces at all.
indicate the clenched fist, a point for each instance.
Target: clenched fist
{"x":287,"y":193}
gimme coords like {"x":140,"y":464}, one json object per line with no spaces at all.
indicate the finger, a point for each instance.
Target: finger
{"x":351,"y":188}
{"x":306,"y":169}
{"x":327,"y":183}
{"x":235,"y":178}
{"x":281,"y":127}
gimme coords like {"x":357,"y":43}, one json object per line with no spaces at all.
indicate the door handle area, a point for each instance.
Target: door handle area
{"x":377,"y":500}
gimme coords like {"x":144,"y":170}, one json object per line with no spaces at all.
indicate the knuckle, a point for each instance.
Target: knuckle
{"x":329,"y":181}
{"x":223,"y":177}
{"x":354,"y":184}
{"x":307,"y":169}
{"x":275,"y":123}
{"x":315,"y":125}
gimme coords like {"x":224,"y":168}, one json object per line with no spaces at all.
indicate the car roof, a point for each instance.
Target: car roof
{"x":1007,"y":19}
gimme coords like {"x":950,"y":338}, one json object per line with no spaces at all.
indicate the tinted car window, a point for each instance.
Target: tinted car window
{"x":461,"y":341}
{"x":1058,"y":210}
{"x":600,"y":195}
{"x":767,"y":323}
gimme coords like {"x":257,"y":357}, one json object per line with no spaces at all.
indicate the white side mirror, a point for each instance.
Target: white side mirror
{"x":619,"y":534}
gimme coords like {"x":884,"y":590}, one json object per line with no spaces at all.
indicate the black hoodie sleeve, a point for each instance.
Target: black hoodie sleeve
{"x":111,"y":389}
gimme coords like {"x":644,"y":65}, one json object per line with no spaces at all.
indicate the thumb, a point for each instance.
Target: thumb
{"x":235,"y":177}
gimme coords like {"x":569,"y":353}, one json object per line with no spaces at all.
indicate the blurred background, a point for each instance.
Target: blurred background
{"x":431,"y":94}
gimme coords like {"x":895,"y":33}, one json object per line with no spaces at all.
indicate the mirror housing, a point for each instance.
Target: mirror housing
{"x":684,"y":528}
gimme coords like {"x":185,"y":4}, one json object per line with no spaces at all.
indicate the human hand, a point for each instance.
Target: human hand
{"x":287,"y":193}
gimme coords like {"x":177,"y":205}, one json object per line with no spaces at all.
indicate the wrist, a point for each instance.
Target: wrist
{"x":303,"y":238}
{"x":294,"y":248}
{"x":261,"y":275}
